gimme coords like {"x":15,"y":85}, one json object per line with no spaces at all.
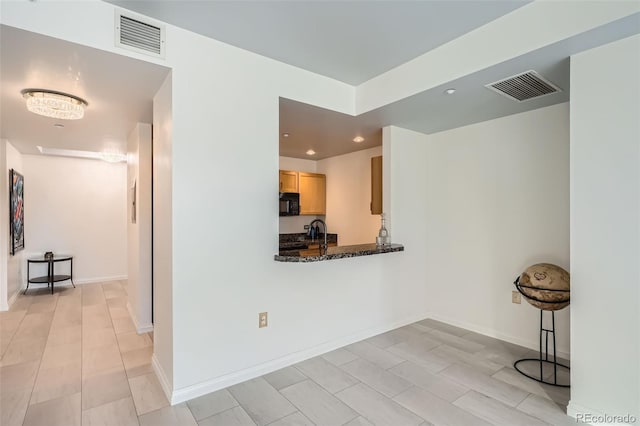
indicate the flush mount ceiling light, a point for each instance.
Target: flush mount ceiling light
{"x":54,"y":104}
{"x":450,"y":91}
{"x":358,"y":139}
{"x":311,"y":152}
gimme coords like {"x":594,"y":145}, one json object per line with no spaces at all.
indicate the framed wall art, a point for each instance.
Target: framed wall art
{"x":16,"y":206}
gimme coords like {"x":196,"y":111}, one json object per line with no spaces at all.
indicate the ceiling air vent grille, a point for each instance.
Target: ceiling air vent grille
{"x":525,"y":86}
{"x":140,"y":36}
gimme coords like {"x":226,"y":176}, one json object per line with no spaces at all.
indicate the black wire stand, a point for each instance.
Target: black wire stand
{"x":543,"y":358}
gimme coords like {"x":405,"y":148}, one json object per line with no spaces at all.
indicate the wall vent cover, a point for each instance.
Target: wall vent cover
{"x":140,"y":35}
{"x":525,"y":86}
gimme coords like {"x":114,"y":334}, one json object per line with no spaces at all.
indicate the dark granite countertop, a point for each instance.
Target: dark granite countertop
{"x":340,"y":252}
{"x":302,"y":236}
{"x":302,"y":241}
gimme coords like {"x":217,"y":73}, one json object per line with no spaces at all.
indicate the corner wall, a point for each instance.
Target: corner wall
{"x":139,"y":233}
{"x":163,"y":291}
{"x":498,"y":202}
{"x":605,"y":230}
{"x":16,"y":268}
{"x":77,"y":206}
{"x":349,"y":196}
{"x":4,"y":224}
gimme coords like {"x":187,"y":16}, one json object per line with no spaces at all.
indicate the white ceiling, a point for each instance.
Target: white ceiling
{"x":350,"y":41}
{"x":119,"y":90}
{"x":326,"y":132}
{"x":330,"y":133}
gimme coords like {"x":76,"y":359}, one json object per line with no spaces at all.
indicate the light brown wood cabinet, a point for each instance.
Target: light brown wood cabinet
{"x":288,"y":181}
{"x":313,"y":193}
{"x":376,"y":185}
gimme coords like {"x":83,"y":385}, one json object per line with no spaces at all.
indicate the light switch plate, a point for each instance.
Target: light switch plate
{"x":263,"y":319}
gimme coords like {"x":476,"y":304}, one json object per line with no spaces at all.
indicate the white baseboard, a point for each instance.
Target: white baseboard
{"x":145,"y":328}
{"x":162,"y":378}
{"x":573,"y":410}
{"x":5,"y":306}
{"x":140,"y":328}
{"x":13,"y":297}
{"x":208,"y":386}
{"x":100,"y":279}
{"x":531,"y":344}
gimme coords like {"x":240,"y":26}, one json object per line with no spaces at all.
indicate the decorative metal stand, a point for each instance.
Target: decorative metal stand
{"x":543,"y":357}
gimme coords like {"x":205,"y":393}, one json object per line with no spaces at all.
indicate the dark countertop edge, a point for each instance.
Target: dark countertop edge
{"x":343,"y":254}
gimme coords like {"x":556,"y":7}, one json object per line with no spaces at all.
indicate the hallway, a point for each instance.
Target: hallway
{"x":74,"y":358}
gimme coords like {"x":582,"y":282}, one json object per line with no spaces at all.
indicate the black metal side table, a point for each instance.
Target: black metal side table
{"x":51,"y":276}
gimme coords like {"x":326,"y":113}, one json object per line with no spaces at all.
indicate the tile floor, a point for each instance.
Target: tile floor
{"x":74,"y":358}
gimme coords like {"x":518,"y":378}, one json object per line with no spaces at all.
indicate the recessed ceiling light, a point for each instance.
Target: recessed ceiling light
{"x":58,"y":125}
{"x":311,"y":152}
{"x":54,"y":104}
{"x":358,"y":139}
{"x":450,"y":91}
{"x":285,"y":135}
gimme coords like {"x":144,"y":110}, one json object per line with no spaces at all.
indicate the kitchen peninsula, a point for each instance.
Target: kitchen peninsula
{"x":301,"y":247}
{"x":341,"y":252}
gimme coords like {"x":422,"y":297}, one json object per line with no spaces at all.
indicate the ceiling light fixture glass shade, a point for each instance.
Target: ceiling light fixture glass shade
{"x":54,"y":104}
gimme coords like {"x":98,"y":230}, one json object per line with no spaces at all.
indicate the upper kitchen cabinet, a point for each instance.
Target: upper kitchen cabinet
{"x":376,"y":185}
{"x":313,"y":193}
{"x":288,"y":181}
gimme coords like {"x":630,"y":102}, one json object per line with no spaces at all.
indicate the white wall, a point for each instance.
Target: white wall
{"x":79,"y":207}
{"x":4,"y":224}
{"x":297,"y":164}
{"x":207,"y":336}
{"x":605,"y":229}
{"x":295,"y":224}
{"x":218,"y":157}
{"x":139,"y":233}
{"x":162,"y":237}
{"x":498,"y":201}
{"x":16,"y":268}
{"x":349,"y":196}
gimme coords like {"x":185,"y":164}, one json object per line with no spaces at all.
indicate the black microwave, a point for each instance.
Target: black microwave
{"x":289,"y":204}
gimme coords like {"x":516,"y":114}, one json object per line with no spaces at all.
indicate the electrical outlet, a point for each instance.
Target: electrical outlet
{"x":262,"y":319}
{"x":515,"y":297}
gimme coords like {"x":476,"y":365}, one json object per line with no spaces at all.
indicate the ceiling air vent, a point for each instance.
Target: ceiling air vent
{"x":525,"y":86}
{"x":139,"y":35}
